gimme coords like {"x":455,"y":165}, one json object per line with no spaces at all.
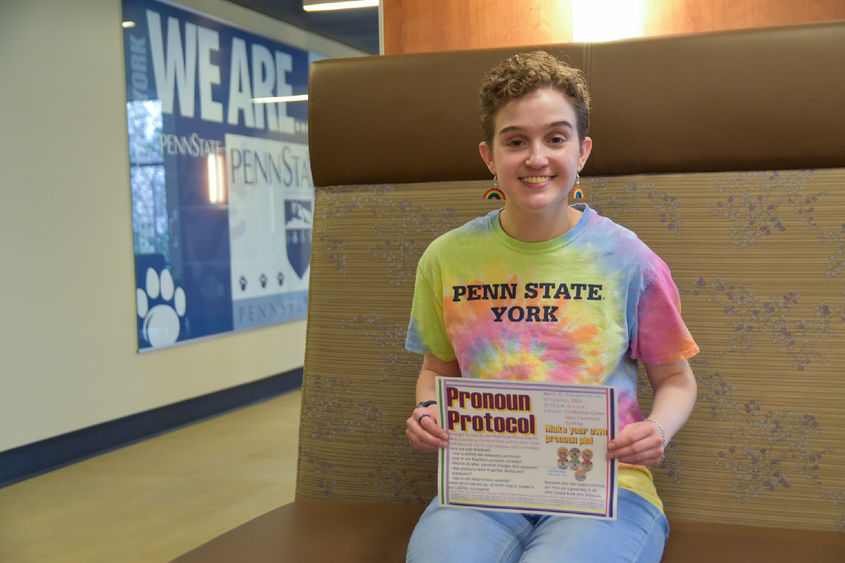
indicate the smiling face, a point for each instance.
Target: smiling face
{"x":536,"y":153}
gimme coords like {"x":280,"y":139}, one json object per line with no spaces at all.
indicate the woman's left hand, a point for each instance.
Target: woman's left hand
{"x":642,"y":443}
{"x":639,"y":443}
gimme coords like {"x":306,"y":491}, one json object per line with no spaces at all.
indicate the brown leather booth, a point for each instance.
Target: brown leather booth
{"x":723,"y":151}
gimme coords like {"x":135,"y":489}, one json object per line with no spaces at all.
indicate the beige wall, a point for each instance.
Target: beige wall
{"x":68,"y":344}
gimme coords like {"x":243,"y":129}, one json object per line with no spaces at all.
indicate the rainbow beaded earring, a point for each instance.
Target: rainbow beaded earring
{"x":495,"y":192}
{"x":577,"y":193}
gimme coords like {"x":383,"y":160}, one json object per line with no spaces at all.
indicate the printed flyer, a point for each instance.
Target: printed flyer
{"x":527,"y":447}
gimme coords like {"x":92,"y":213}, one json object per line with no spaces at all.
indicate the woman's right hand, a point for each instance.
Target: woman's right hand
{"x":422,"y":427}
{"x":423,"y":430}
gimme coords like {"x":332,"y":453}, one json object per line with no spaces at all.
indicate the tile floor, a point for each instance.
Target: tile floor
{"x":154,"y":500}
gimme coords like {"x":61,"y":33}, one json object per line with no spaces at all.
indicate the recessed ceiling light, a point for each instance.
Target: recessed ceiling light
{"x":324,"y":5}
{"x":277,"y":99}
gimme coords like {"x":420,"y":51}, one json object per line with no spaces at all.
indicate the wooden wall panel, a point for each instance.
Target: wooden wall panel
{"x":663,"y":17}
{"x":416,"y":26}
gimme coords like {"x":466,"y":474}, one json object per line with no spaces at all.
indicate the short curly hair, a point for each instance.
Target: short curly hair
{"x":524,"y":73}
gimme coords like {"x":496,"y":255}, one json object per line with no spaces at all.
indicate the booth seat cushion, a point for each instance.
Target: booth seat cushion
{"x":314,"y":531}
{"x":694,"y":542}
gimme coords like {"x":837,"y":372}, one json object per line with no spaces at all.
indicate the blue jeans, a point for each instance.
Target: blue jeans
{"x":463,"y":535}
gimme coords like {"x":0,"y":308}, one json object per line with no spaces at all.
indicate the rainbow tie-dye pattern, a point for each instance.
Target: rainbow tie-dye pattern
{"x":581,"y":308}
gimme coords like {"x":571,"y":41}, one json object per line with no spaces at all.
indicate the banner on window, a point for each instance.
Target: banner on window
{"x":222,"y":195}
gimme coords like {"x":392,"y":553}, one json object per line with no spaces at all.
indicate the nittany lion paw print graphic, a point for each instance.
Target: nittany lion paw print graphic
{"x":161,"y":321}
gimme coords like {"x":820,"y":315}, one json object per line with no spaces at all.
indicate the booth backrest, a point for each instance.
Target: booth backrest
{"x":722,"y":151}
{"x":761,"y":99}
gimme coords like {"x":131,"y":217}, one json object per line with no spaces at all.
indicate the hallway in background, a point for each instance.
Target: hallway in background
{"x":154,"y":500}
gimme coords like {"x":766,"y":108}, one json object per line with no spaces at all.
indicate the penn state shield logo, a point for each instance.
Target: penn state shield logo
{"x":298,"y":219}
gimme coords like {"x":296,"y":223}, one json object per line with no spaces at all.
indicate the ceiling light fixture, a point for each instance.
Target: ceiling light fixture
{"x":607,"y":20}
{"x":278,"y":99}
{"x":324,"y":5}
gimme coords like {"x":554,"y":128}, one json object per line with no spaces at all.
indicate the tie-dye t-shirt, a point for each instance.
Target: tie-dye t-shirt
{"x":581,"y":308}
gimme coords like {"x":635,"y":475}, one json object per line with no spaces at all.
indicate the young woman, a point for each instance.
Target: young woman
{"x":608,"y":302}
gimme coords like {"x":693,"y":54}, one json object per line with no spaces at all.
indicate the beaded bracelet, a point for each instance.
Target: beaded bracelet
{"x":659,"y":427}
